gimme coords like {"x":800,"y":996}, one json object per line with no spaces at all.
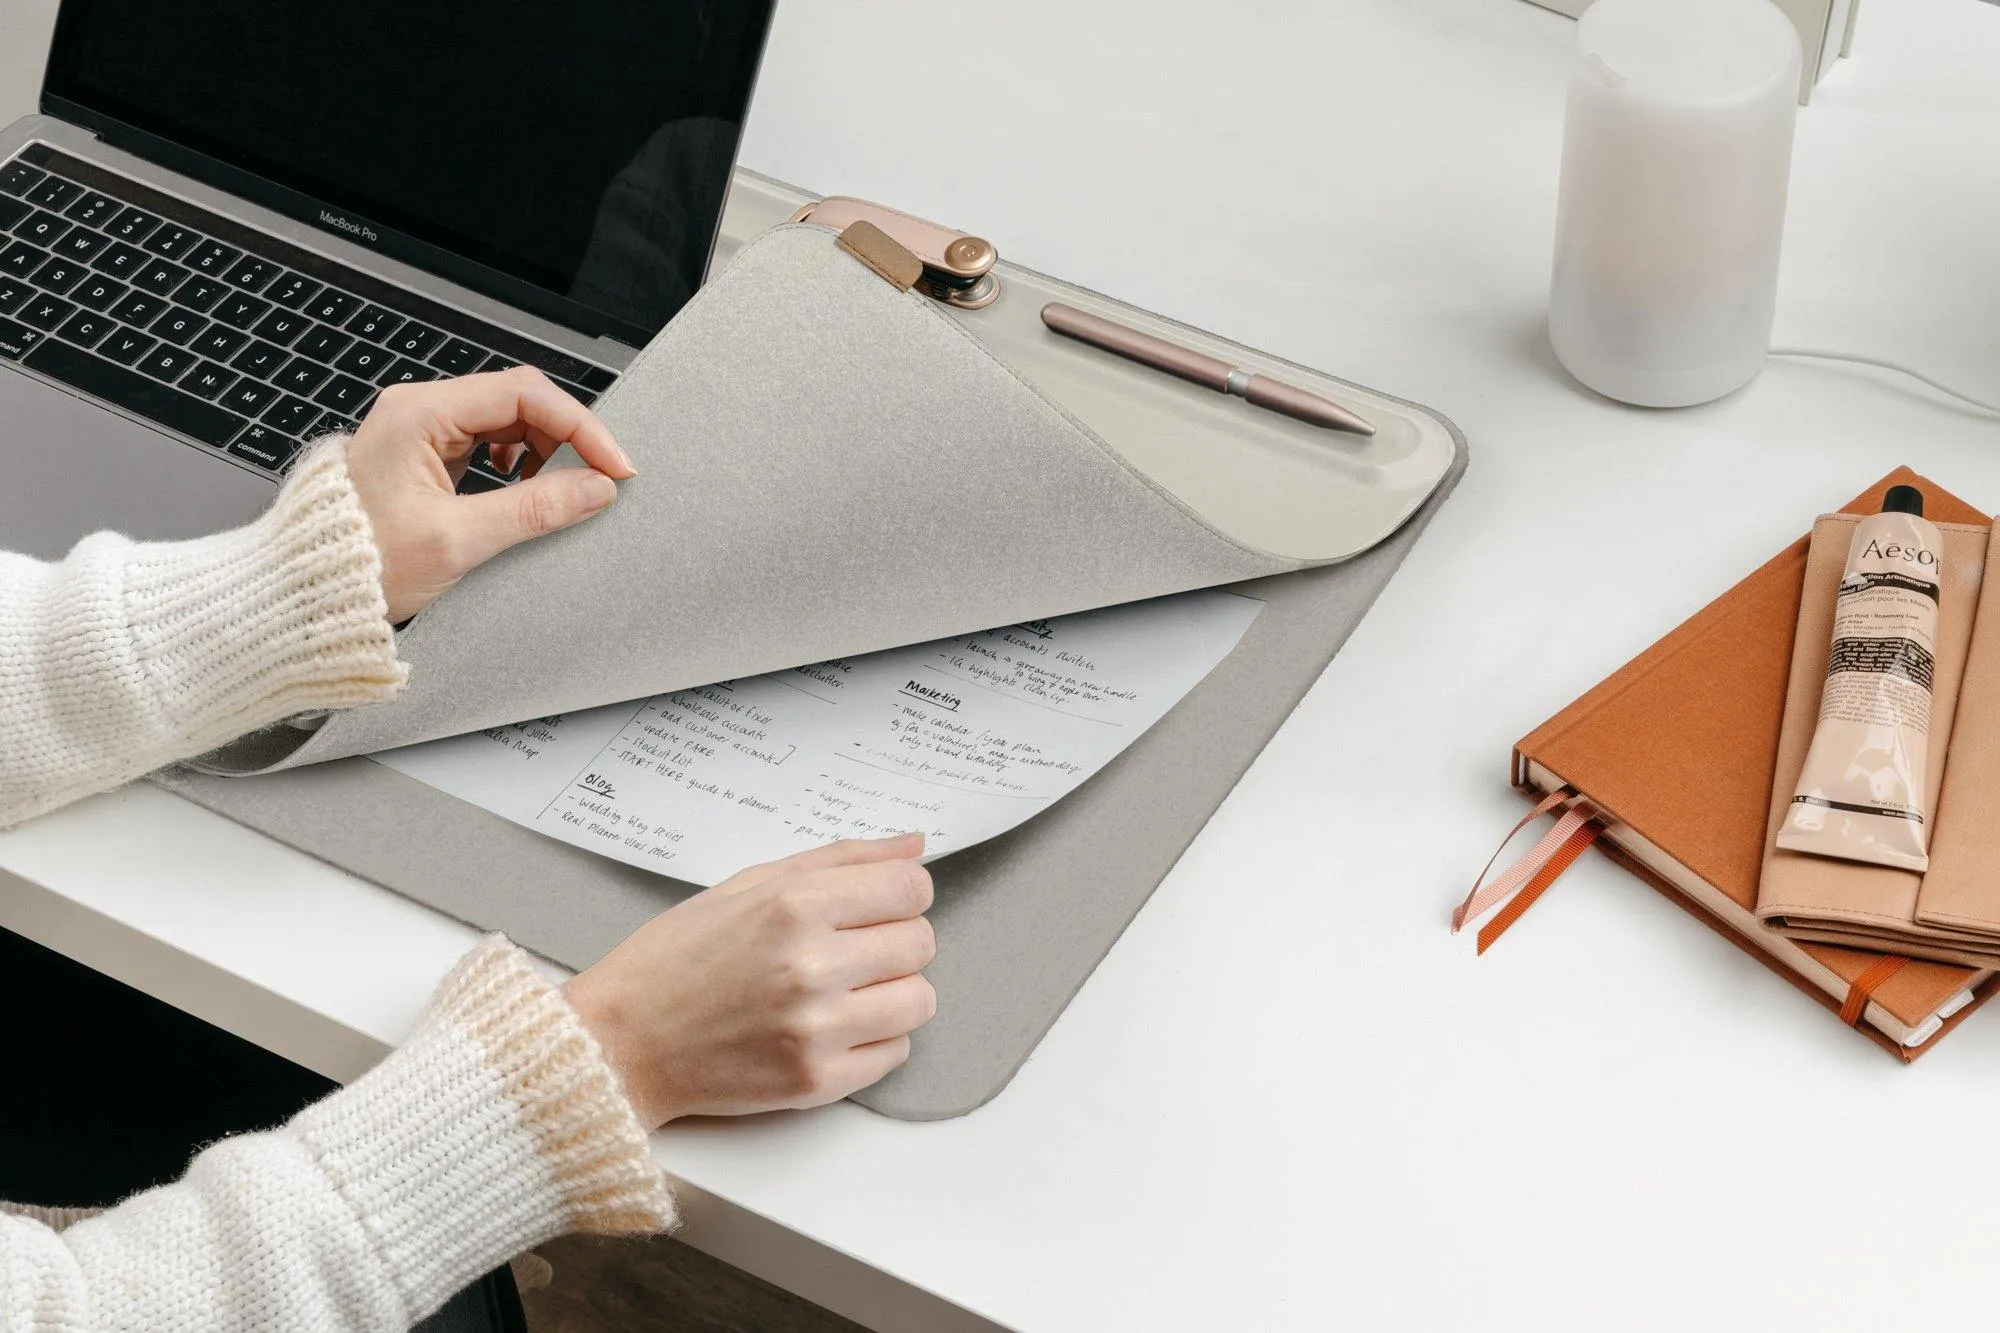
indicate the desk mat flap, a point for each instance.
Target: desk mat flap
{"x":828,"y":466}
{"x":1021,"y":920}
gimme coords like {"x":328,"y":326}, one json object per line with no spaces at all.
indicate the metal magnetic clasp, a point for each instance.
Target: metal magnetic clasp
{"x":958,"y":267}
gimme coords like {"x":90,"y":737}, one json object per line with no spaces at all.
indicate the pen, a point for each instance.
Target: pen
{"x":1200,"y":368}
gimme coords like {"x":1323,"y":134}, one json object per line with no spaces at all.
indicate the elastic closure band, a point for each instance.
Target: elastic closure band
{"x":1879,"y":971}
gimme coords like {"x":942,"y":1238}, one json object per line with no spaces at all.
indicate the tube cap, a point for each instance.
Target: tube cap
{"x":1903,"y":500}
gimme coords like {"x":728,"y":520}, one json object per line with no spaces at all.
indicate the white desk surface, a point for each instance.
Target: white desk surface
{"x":1289,"y":1099}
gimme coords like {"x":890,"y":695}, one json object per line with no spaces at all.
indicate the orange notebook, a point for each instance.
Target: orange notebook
{"x":1675,"y":754}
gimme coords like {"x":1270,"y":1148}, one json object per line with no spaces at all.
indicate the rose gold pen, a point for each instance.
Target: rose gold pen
{"x":1208,"y":371}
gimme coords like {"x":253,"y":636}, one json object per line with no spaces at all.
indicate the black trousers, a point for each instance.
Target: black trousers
{"x":118,"y":1091}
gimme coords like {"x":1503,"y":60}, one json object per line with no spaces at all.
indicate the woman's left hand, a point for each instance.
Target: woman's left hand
{"x":410,"y":451}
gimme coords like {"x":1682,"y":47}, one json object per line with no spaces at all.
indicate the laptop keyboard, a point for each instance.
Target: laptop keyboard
{"x":239,"y":341}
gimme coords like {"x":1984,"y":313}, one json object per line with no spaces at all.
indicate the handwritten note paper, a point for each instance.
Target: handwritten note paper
{"x":963,"y":738}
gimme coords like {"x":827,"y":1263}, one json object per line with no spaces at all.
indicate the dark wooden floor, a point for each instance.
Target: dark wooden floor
{"x":662,"y":1286}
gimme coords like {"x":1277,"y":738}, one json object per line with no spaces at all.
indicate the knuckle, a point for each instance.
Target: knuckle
{"x":541,"y":510}
{"x":527,"y":376}
{"x":916,"y":886}
{"x":899,"y":1053}
{"x":791,"y":907}
{"x":803,"y":972}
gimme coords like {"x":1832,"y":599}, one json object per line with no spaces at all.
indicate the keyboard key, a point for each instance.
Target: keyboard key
{"x":53,"y":192}
{"x":344,"y":395}
{"x":140,"y":308}
{"x":16,"y":339}
{"x":177,"y":326}
{"x":12,"y":211}
{"x":241,"y":311}
{"x":259,"y":359}
{"x":127,"y":346}
{"x":86,"y":328}
{"x":334,"y":423}
{"x":159,"y":277}
{"x":293,"y":290}
{"x":498,"y":362}
{"x":584,"y":396}
{"x":211,"y":257}
{"x":45,"y":311}
{"x":332,"y":307}
{"x":82,"y":244}
{"x":301,"y":375}
{"x":322,"y":344}
{"x":363,"y":359}
{"x":374,"y":323}
{"x":458,"y":357}
{"x":265,"y":447}
{"x":120,"y":260}
{"x":135,"y":393}
{"x":13,"y":293}
{"x":414,"y":340}
{"x":21,"y":259}
{"x":219,"y":341}
{"x":293,"y":415}
{"x":93,"y":210}
{"x":167,"y":363}
{"x":58,"y":276}
{"x":17,"y":178}
{"x":208,"y":380}
{"x":172,"y":241}
{"x":133,"y":225}
{"x":98,"y":293}
{"x":199,"y":293}
{"x":281,"y":326}
{"x":406,"y":371}
{"x":251,"y":397}
{"x":251,"y":273}
{"x":42,"y":227}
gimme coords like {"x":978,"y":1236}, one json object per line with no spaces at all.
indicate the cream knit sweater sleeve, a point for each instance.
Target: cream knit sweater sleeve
{"x":496,"y":1126}
{"x":129,"y":655}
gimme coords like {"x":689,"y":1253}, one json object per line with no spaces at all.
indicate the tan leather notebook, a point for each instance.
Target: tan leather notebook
{"x":1677,"y":751}
{"x":1832,"y":901}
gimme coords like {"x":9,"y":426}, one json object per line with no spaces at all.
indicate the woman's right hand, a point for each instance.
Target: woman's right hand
{"x":788,"y":985}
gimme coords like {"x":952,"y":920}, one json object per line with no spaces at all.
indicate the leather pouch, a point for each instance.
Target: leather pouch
{"x":1831,"y":901}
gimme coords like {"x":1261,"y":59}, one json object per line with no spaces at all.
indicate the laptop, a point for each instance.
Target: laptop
{"x":233,"y":223}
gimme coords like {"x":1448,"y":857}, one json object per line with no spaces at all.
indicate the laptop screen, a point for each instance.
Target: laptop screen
{"x":579,"y":147}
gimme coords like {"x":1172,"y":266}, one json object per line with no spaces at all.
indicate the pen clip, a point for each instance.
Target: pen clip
{"x":958,"y":266}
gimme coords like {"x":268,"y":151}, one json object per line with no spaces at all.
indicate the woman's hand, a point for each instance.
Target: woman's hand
{"x":408,"y":455}
{"x":791,"y":984}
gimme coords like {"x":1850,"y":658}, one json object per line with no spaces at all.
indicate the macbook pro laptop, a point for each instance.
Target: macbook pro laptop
{"x":235,"y":221}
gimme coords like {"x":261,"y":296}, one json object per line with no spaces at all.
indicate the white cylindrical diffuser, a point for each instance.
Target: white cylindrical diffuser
{"x":1676,"y":148}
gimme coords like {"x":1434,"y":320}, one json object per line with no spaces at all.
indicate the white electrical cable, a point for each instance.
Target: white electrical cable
{"x":1856,"y":358}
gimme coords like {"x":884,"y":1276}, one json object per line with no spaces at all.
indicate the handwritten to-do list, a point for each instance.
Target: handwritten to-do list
{"x":963,"y":738}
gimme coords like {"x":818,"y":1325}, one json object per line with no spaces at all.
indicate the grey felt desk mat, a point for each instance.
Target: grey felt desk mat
{"x":1021,"y":920}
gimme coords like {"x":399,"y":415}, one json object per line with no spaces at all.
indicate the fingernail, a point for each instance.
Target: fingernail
{"x":595,"y":490}
{"x":631,"y":469}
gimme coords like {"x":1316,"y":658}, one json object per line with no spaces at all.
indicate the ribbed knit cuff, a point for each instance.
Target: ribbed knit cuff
{"x":497,"y":1126}
{"x":278,"y":617}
